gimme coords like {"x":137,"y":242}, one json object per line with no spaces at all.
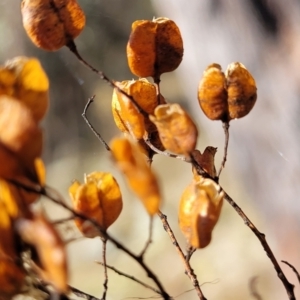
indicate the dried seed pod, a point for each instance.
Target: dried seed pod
{"x":177,"y":131}
{"x":226,"y":97}
{"x":241,"y":89}
{"x":131,"y":161}
{"x":206,"y":160}
{"x":212,"y":94}
{"x":30,"y":84}
{"x":99,"y":198}
{"x":199,"y":211}
{"x":52,"y":24}
{"x":126,"y":115}
{"x":50,"y":249}
{"x":154,"y":47}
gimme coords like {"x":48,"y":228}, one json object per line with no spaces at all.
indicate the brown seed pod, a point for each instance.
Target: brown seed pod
{"x":130,"y":159}
{"x":52,"y":24}
{"x":99,"y":198}
{"x":176,"y":129}
{"x":212,"y":94}
{"x":226,"y":97}
{"x":241,"y":89}
{"x":199,"y":211}
{"x":154,"y":47}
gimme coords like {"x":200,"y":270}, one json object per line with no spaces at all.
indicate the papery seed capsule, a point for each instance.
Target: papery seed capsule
{"x":199,"y":211}
{"x":154,"y":47}
{"x":176,"y":129}
{"x":241,"y":89}
{"x":212,"y":94}
{"x":52,"y":24}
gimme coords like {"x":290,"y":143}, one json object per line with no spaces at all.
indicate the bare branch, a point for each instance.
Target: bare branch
{"x":293,"y":268}
{"x":226,"y":131}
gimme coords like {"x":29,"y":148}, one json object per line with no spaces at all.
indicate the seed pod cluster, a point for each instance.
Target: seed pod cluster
{"x":100,"y":199}
{"x":52,"y":24}
{"x":154,"y":47}
{"x":199,"y":211}
{"x":227,"y":96}
{"x":176,"y":129}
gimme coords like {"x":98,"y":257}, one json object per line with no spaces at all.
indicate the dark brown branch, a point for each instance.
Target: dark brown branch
{"x":226,"y":131}
{"x":105,"y":268}
{"x":293,"y":268}
{"x":132,"y":278}
{"x":54,"y":196}
{"x":288,"y":286}
{"x":90,"y":101}
{"x":74,"y":50}
{"x":186,"y":263}
{"x":82,"y":294}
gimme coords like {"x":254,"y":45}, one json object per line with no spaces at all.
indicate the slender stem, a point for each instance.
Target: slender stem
{"x":72,"y":47}
{"x":55,"y":197}
{"x":132,"y":278}
{"x":148,"y":142}
{"x":293,"y":268}
{"x":226,"y":131}
{"x":149,"y":240}
{"x":104,"y":241}
{"x":81,"y":294}
{"x":262,"y":238}
{"x":187,"y":266}
{"x":97,"y":134}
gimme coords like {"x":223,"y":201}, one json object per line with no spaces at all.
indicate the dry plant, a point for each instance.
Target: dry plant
{"x":32,"y":252}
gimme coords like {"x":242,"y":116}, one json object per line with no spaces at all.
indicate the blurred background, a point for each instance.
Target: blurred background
{"x":262,"y":171}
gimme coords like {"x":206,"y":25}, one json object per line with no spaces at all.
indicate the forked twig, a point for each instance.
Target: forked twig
{"x":293,"y":268}
{"x":189,"y":271}
{"x":131,"y":278}
{"x":226,"y":131}
{"x":55,"y":197}
{"x":96,"y":133}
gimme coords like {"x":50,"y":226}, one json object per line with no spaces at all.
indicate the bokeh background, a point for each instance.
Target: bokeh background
{"x":262,"y":171}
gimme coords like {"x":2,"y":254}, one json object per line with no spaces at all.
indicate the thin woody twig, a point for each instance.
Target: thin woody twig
{"x":131,"y":278}
{"x":187,"y":266}
{"x":104,"y":241}
{"x":293,"y":268}
{"x":226,"y":131}
{"x":72,"y":47}
{"x":262,"y":238}
{"x":97,"y":134}
{"x":82,"y":294}
{"x":54,"y":196}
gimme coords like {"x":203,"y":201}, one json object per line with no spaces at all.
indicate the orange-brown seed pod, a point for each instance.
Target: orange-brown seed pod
{"x":212,"y":94}
{"x":226,"y":97}
{"x":241,"y":88}
{"x":199,"y":211}
{"x":177,"y":131}
{"x":131,"y":161}
{"x":154,"y":47}
{"x":52,"y":24}
{"x":99,"y":198}
{"x":30,"y":84}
